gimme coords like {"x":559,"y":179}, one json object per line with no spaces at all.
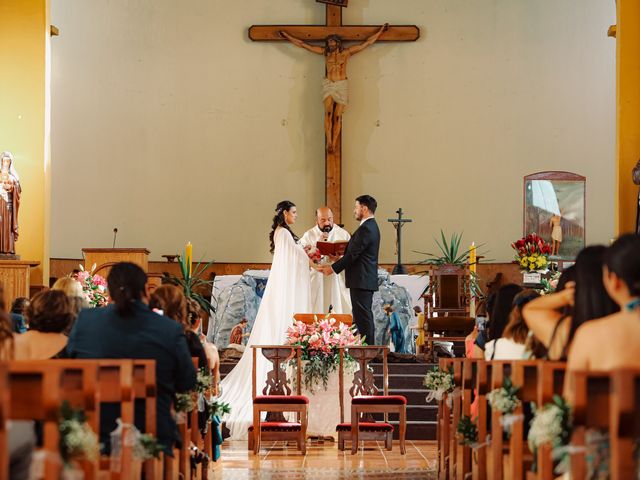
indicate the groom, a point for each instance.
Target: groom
{"x":360,"y":263}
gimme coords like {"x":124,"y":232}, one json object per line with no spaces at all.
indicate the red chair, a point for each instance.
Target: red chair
{"x":276,"y":398}
{"x":365,"y":400}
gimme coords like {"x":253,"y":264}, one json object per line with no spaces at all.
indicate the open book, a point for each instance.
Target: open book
{"x":332,"y":248}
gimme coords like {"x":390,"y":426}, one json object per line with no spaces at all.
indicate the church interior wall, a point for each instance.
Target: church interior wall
{"x":170,"y":124}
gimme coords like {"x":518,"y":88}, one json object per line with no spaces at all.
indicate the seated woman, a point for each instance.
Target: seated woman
{"x":171,"y":300}
{"x":511,"y":346}
{"x":500,"y":314}
{"x":613,"y":342}
{"x":18,"y":307}
{"x":194,"y":322}
{"x":481,"y":338}
{"x":129,"y":329}
{"x":587,"y":299}
{"x":49,"y":314}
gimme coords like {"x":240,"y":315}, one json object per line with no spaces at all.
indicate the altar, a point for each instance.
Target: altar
{"x":238,"y":297}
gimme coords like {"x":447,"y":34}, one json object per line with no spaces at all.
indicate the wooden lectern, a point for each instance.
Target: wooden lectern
{"x":15,"y":276}
{"x":105,"y":258}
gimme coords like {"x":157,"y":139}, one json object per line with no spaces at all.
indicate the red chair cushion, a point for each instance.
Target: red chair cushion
{"x":287,"y":399}
{"x":379,"y":400}
{"x":278,"y":427}
{"x":366,"y":427}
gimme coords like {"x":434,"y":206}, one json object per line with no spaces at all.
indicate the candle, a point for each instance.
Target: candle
{"x":472,"y":268}
{"x":188,"y":257}
{"x":472,"y":257}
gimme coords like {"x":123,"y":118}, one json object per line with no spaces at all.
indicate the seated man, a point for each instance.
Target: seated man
{"x":129,"y":329}
{"x":326,"y":290}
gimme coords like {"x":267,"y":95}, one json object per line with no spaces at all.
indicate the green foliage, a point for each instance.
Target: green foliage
{"x":147,"y":447}
{"x":467,"y":431}
{"x":183,"y":402}
{"x":192,"y":283}
{"x":77,"y":440}
{"x":449,"y":252}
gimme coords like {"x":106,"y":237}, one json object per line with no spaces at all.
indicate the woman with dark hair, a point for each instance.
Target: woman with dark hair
{"x":287,"y":292}
{"x":613,"y":341}
{"x":174,"y":305}
{"x":554,"y":318}
{"x":500,"y":314}
{"x":129,"y":329}
{"x":49,"y":314}
{"x":511,"y":344}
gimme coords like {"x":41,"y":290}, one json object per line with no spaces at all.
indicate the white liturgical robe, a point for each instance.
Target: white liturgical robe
{"x":327,"y":290}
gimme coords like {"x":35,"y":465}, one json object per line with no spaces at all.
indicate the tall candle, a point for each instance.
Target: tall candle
{"x":188,"y":257}
{"x":472,"y":268}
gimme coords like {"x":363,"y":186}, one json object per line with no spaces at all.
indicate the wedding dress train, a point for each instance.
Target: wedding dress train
{"x":287,"y":292}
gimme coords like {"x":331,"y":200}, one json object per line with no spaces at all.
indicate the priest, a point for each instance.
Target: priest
{"x":330,"y":290}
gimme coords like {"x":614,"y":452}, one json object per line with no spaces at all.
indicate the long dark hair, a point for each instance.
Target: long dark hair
{"x":623,"y":259}
{"x":278,"y":221}
{"x":126,"y":282}
{"x":591,"y":299}
{"x":499,"y":316}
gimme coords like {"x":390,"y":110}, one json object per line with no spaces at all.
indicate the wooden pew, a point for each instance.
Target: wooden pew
{"x":443,"y":428}
{"x":115,"y":385}
{"x":144,"y":388}
{"x":591,"y":406}
{"x":624,"y":423}
{"x":483,"y":386}
{"x":550,"y":383}
{"x":37,"y":389}
{"x":4,"y":417}
{"x":456,"y":411}
{"x":523,"y":374}
{"x":468,"y":382}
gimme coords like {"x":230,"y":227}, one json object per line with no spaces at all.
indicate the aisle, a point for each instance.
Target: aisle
{"x":327,"y":463}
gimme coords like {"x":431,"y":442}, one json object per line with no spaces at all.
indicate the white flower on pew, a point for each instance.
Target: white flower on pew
{"x":505,"y":400}
{"x":552,"y":425}
{"x":437,"y":383}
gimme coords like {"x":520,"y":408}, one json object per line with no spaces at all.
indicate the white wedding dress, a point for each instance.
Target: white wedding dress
{"x":287,"y":293}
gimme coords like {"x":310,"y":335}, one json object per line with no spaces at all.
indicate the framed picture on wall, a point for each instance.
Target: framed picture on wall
{"x":554,"y":208}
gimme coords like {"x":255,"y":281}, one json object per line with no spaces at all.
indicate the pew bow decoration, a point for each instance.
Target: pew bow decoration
{"x":437,"y":383}
{"x":144,"y":446}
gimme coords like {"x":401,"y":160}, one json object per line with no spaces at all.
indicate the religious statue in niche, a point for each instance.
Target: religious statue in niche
{"x":636,"y":179}
{"x":556,"y":232}
{"x":9,"y":204}
{"x":335,"y":85}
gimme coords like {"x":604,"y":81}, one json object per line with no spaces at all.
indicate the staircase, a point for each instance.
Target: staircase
{"x":404,"y":379}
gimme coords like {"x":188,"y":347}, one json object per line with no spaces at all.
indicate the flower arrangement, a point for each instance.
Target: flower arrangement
{"x":77,"y":440}
{"x":532,"y":252}
{"x":504,"y":399}
{"x":184,"y":402}
{"x":94,"y":287}
{"x":204,"y":380}
{"x":320,"y":342}
{"x":467,"y":431}
{"x":147,"y":447}
{"x":552,"y":424}
{"x":313,"y":253}
{"x":438,"y":382}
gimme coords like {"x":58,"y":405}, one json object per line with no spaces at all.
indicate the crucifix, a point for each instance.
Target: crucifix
{"x":334,"y":88}
{"x":398,"y":223}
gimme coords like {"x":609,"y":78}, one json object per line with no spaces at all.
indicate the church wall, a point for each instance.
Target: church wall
{"x":24,"y":121}
{"x":168,"y":123}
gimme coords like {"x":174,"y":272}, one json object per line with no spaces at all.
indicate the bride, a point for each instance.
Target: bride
{"x":287,"y":293}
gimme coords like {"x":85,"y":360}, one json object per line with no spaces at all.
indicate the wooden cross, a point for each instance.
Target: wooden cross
{"x":347,"y":33}
{"x":398,"y":223}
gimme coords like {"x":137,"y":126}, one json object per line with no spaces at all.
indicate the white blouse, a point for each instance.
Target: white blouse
{"x":506,"y":349}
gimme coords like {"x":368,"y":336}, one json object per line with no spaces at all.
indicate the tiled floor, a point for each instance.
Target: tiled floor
{"x":326,"y":462}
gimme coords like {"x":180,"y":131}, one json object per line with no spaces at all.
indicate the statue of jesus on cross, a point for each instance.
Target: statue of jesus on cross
{"x":334,"y":86}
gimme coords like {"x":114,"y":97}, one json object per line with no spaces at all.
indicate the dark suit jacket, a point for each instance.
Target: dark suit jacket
{"x":360,"y":260}
{"x":104,"y":333}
